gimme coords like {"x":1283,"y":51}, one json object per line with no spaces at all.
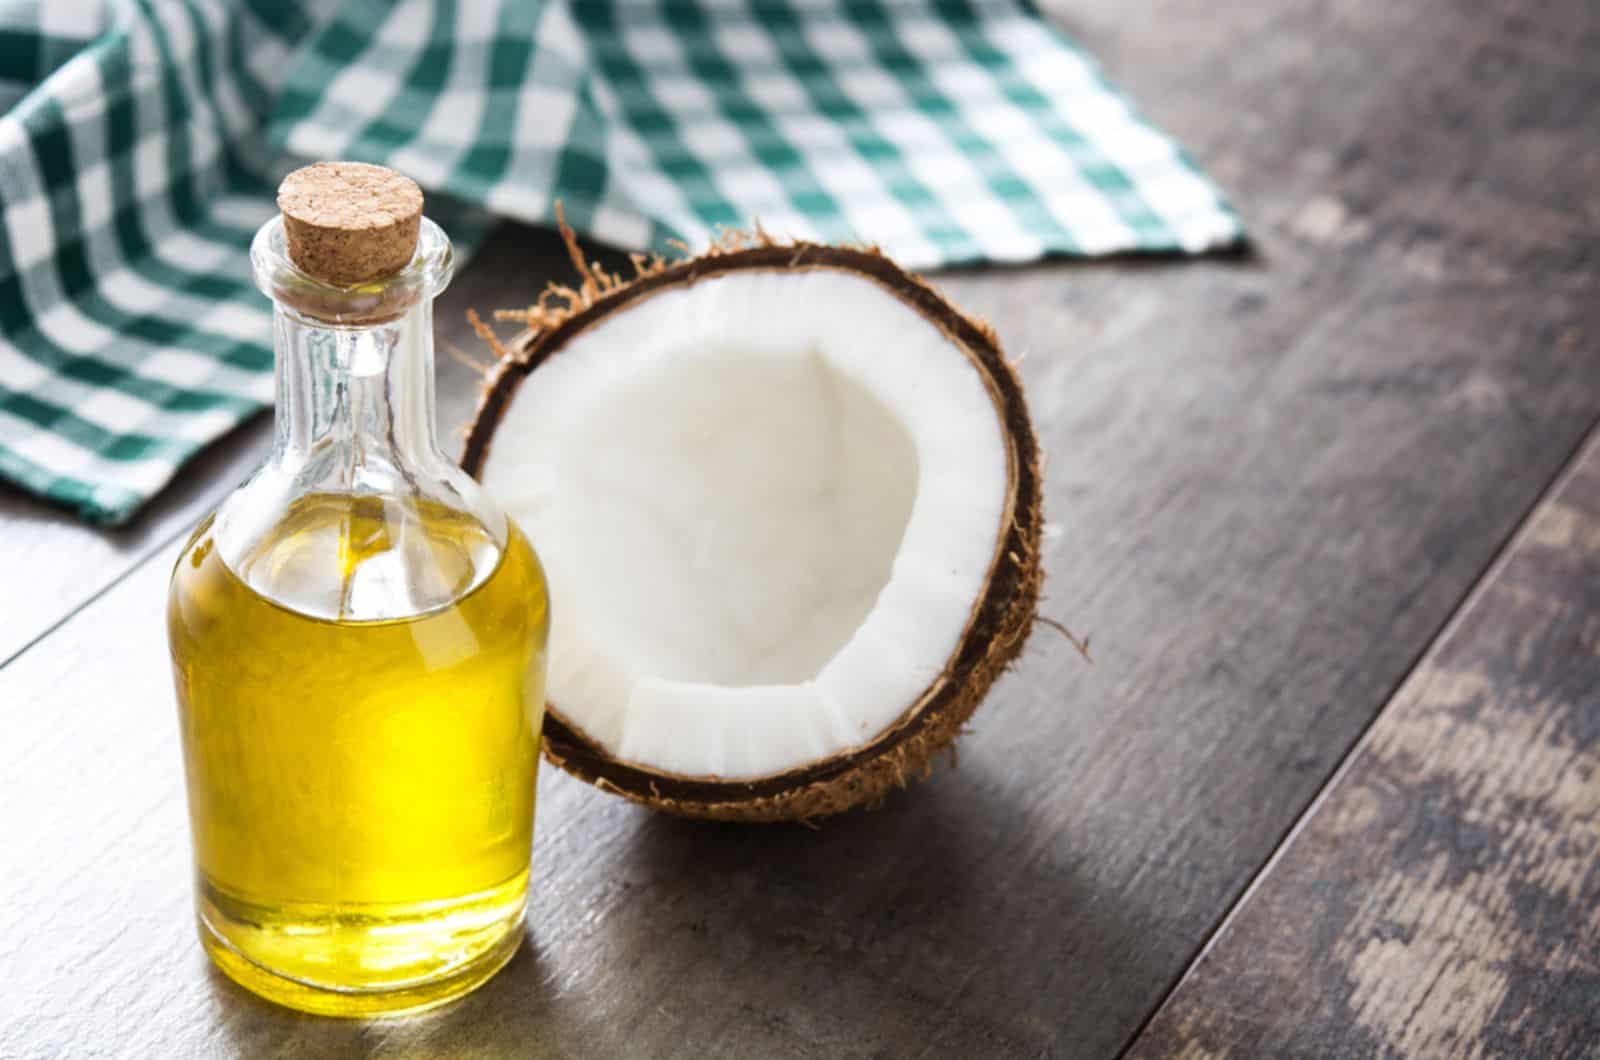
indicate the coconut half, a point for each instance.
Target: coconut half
{"x":787,"y":500}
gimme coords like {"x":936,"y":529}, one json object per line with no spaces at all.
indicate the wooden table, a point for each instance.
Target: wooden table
{"x":1330,"y":511}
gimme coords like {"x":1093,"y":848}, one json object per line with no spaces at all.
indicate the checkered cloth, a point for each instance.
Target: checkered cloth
{"x":141,"y":142}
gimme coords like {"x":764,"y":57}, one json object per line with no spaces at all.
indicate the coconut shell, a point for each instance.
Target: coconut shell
{"x":1001,"y":618}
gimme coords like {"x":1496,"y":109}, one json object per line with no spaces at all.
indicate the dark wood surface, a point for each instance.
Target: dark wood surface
{"x":55,"y":564}
{"x":1443,"y":898}
{"x":1275,"y":477}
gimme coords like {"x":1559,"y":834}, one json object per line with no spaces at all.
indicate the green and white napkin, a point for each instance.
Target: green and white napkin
{"x":141,"y":143}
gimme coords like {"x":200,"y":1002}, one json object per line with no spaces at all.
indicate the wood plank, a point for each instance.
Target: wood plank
{"x":1275,"y":479}
{"x":1443,"y":898}
{"x":59,"y":563}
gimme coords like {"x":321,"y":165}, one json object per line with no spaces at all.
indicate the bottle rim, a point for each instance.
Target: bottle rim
{"x":280,"y":279}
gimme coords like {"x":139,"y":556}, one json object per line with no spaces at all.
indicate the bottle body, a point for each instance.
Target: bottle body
{"x":358,"y":645}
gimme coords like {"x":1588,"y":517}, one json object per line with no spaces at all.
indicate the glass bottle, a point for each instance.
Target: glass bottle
{"x":358,"y":641}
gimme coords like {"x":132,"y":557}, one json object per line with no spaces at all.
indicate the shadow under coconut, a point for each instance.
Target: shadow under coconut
{"x":914,"y":929}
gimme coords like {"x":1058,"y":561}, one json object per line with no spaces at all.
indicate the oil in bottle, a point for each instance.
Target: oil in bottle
{"x":361,"y":780}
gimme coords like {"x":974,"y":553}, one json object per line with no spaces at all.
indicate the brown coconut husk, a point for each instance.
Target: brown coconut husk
{"x":1001,"y":618}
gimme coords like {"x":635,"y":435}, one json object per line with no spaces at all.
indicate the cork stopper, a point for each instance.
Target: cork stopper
{"x":349,"y":222}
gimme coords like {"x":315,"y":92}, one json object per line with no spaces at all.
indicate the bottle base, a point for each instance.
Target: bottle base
{"x":364,"y":963}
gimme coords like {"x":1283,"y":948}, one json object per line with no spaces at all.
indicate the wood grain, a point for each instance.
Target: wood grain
{"x":54,"y":563}
{"x":1443,"y":899}
{"x":1274,"y":478}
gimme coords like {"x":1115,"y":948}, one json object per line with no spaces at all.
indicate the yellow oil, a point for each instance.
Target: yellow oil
{"x":361,"y":791}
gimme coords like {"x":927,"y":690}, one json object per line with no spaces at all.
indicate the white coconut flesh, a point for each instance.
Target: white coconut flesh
{"x":767,"y":504}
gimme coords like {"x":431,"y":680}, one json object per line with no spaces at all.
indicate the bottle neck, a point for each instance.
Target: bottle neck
{"x":356,"y":514}
{"x":355,"y":403}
